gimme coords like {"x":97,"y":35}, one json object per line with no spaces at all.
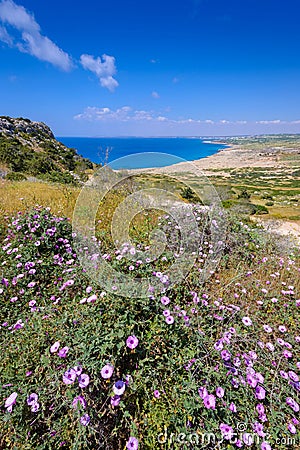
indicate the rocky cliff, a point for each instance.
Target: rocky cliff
{"x":29,"y":148}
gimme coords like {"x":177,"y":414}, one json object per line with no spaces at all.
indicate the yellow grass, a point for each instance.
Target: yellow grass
{"x":21,"y":195}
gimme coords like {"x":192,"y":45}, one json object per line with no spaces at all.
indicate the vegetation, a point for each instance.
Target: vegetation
{"x":209,"y":362}
{"x":37,"y":153}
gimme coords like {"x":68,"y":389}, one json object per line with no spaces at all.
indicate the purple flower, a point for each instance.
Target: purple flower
{"x":83,"y":380}
{"x":92,"y":298}
{"x":265,"y":446}
{"x":115,"y":400}
{"x":32,"y":398}
{"x":292,"y":428}
{"x":166,"y":312}
{"x":69,"y":376}
{"x":63,"y":352}
{"x":10,"y":401}
{"x":85,"y":420}
{"x":107,"y":371}
{"x":260,"y":408}
{"x":293,"y":404}
{"x":293,"y":376}
{"x":156,"y":394}
{"x":35,"y":407}
{"x":284,"y":375}
{"x":227,"y":431}
{"x":132,"y":443}
{"x":210,"y":402}
{"x":132,"y":342}
{"x":259,"y":429}
{"x":247,"y":321}
{"x":79,"y":399}
{"x":169,"y":320}
{"x":203,"y":392}
{"x":54,"y":347}
{"x":251,"y":379}
{"x":260,"y":393}
{"x":119,"y":387}
{"x":232,"y":407}
{"x":165,"y":300}
{"x":220,"y":392}
{"x":225,"y":355}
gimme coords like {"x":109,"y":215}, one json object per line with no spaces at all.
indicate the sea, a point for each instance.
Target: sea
{"x":137,"y":152}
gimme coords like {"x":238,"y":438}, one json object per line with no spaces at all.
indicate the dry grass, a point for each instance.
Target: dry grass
{"x":21,"y":195}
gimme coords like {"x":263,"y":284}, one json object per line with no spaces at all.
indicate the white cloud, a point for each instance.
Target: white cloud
{"x":5,"y":37}
{"x":103,"y":67}
{"x":155,"y":94}
{"x":92,"y":113}
{"x":269,"y":122}
{"x":30,"y":39}
{"x":128,"y":114}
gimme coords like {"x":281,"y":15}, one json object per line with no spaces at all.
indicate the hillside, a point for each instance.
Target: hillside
{"x":29,"y":149}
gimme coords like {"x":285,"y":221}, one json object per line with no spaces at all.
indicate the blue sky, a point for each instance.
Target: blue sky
{"x":159,"y":68}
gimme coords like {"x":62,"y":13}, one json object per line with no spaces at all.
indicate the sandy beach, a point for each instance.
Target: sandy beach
{"x":233,"y":157}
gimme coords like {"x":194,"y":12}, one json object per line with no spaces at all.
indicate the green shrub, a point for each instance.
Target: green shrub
{"x":15,"y":176}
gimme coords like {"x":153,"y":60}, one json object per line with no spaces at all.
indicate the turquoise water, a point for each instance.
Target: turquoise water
{"x":186,"y":148}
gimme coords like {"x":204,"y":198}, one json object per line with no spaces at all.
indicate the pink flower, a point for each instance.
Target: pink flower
{"x":260,"y":392}
{"x":227,"y":431}
{"x":83,"y":380}
{"x":203,"y":392}
{"x":132,"y":443}
{"x":132,"y":342}
{"x":69,"y":376}
{"x":265,"y":446}
{"x":220,"y":392}
{"x":54,"y":347}
{"x":85,"y":420}
{"x":210,"y":402}
{"x":119,"y":387}
{"x":115,"y":400}
{"x":232,"y":407}
{"x":293,"y":404}
{"x":63,"y":352}
{"x":292,"y":428}
{"x":169,"y":320}
{"x":10,"y":401}
{"x":165,"y":300}
{"x":32,"y":398}
{"x":247,"y":321}
{"x":92,"y":298}
{"x":107,"y":371}
{"x":156,"y":394}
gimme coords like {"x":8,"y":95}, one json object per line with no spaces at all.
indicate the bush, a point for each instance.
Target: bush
{"x":244,"y":194}
{"x":15,"y":176}
{"x":261,"y":209}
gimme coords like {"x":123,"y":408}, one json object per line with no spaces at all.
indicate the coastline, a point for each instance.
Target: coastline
{"x":231,"y":157}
